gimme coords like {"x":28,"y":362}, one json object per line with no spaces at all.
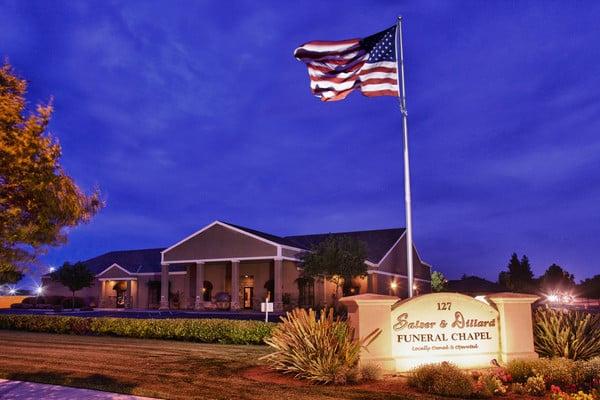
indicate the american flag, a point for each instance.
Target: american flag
{"x":336,"y":68}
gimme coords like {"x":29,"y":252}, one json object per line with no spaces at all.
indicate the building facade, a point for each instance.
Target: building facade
{"x":246,"y":264}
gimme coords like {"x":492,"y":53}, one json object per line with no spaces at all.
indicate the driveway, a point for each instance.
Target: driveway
{"x":18,"y":390}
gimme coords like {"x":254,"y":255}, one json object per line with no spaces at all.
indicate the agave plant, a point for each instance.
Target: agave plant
{"x":569,"y":334}
{"x":323,"y":349}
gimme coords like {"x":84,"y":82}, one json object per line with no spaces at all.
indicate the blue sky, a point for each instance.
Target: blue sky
{"x":187,"y":112}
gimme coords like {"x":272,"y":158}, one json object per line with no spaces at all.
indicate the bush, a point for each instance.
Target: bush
{"x":489,"y":385}
{"x":193,"y":330}
{"x":535,"y":386}
{"x":587,"y":374}
{"x":442,"y":379}
{"x":521,"y":369}
{"x":556,"y":371}
{"x":322,"y":350}
{"x":371,"y":372}
{"x":67,"y":302}
{"x":54,"y":300}
{"x":567,"y":333}
{"x":33,"y":300}
{"x":21,"y":306}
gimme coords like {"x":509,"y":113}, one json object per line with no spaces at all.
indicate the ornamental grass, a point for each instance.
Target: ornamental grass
{"x":322,"y":350}
{"x":565,"y":333}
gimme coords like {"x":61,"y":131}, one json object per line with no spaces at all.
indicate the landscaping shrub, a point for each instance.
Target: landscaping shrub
{"x":67,"y":302}
{"x":587,"y":374}
{"x":489,"y":385}
{"x":54,"y":300}
{"x":556,"y":371}
{"x":322,"y":349}
{"x":33,"y":300}
{"x":567,"y":333}
{"x":194,"y":330}
{"x":442,"y":379}
{"x":535,"y":386}
{"x":521,"y":369}
{"x":371,"y":372}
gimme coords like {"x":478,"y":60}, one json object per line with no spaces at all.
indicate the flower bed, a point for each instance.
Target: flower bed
{"x":560,"y":378}
{"x":193,"y":330}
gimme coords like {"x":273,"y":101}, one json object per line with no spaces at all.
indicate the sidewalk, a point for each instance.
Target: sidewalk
{"x":17,"y":390}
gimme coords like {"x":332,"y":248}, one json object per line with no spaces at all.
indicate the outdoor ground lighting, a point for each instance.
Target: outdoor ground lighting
{"x":39,"y":290}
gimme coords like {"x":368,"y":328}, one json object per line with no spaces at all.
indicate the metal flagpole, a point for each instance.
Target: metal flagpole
{"x":402,"y":93}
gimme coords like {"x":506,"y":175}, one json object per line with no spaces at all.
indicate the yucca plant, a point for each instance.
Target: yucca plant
{"x":322,"y":350}
{"x":569,"y":334}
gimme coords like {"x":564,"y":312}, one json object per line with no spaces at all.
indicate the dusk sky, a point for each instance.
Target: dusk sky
{"x":187,"y":112}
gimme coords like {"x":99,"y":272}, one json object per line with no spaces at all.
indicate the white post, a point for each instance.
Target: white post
{"x":402,"y":96}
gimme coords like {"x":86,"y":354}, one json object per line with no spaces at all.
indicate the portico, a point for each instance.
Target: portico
{"x":117,"y":288}
{"x":247,"y":266}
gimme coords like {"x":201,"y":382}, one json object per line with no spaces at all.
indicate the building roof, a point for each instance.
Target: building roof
{"x":378,"y":243}
{"x":473,"y":284}
{"x":135,"y":261}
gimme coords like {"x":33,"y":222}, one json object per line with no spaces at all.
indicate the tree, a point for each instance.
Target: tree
{"x":518,"y":277}
{"x":74,"y":276}
{"x":556,"y":278}
{"x":438,"y":281}
{"x":338,"y":259}
{"x":38,"y":200}
{"x":9,"y":274}
{"x":590,"y":287}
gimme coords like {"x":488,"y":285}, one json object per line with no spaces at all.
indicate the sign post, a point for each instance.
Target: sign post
{"x":266,"y":307}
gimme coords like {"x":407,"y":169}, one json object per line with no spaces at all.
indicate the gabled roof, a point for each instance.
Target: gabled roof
{"x":378,"y":241}
{"x":134,"y":261}
{"x":273,"y":238}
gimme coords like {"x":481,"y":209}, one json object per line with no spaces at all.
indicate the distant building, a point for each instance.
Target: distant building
{"x":474,"y":286}
{"x":222,"y":256}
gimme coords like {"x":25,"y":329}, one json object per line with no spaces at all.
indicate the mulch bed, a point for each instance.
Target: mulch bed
{"x":263,"y":374}
{"x":390,"y":384}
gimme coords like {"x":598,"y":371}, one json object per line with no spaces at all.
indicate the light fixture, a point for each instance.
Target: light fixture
{"x":393,"y":285}
{"x":51,"y":269}
{"x":553,"y":298}
{"x":39,"y":290}
{"x":12,"y":291}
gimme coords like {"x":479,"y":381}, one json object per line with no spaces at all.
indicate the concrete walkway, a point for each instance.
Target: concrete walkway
{"x":17,"y":390}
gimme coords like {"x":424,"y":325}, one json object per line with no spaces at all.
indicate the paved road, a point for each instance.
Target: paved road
{"x":17,"y":390}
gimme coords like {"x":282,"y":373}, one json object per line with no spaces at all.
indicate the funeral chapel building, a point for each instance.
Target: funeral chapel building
{"x":244,"y":263}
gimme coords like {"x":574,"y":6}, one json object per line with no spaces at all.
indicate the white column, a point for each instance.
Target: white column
{"x":199,"y":304}
{"x":278,"y":284}
{"x":235,"y":284}
{"x":187,"y":288}
{"x":164,"y":287}
{"x":128,"y":295}
{"x":100,"y":293}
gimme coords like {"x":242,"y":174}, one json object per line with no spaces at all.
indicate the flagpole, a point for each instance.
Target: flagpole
{"x":402,"y":96}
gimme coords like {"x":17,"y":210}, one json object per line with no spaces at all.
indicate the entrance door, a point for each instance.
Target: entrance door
{"x":248,"y":294}
{"x":120,"y":299}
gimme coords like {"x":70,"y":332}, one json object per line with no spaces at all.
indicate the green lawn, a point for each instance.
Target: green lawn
{"x":164,"y":369}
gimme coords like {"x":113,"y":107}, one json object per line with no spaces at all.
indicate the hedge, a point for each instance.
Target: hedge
{"x":193,"y":330}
